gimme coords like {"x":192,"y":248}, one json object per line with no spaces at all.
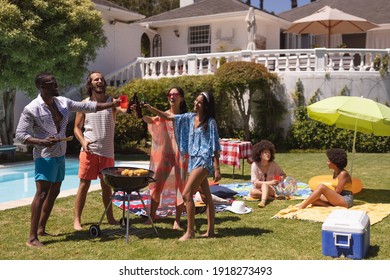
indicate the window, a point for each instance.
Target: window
{"x":199,"y":39}
{"x":145,"y":45}
{"x":157,"y":50}
{"x":297,"y":41}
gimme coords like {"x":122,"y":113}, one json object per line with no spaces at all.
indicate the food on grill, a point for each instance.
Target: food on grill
{"x":132,"y":172}
{"x":124,"y":172}
{"x":141,"y":172}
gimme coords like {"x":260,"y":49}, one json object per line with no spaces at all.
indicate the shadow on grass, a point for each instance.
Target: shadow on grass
{"x":374,"y":196}
{"x":241,"y":231}
{"x":372,"y":251}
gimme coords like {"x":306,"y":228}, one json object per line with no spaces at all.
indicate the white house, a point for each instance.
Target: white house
{"x":123,"y":44}
{"x":210,"y":26}
{"x":197,"y":26}
{"x":210,"y":29}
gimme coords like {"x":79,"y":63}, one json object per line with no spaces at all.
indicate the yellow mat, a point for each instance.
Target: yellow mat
{"x":375,"y":211}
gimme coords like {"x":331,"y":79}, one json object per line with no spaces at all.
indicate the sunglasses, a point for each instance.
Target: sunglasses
{"x":173,"y":95}
{"x":51,"y":83}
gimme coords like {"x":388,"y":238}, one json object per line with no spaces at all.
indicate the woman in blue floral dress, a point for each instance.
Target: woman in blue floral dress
{"x":197,"y":135}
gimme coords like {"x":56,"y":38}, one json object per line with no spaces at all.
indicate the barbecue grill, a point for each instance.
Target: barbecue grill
{"x":127,"y":184}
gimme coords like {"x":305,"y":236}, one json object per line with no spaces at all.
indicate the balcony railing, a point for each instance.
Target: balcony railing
{"x":320,"y":60}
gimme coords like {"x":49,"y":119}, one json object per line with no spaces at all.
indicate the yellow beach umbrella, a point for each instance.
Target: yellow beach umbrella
{"x":353,"y":113}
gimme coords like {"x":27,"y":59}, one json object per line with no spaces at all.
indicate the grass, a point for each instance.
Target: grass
{"x":251,"y":237}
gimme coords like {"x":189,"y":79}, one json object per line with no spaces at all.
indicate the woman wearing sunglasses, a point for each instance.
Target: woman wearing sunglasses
{"x":165,"y":160}
{"x":196,"y":134}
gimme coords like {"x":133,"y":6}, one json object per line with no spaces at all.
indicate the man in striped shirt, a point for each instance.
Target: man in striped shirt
{"x":95,"y":132}
{"x":43,"y":124}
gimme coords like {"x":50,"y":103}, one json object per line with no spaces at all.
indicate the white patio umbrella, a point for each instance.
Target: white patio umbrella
{"x":328,"y":21}
{"x":252,"y":29}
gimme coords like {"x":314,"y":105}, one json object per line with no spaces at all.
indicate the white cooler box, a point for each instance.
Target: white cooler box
{"x":347,"y":233}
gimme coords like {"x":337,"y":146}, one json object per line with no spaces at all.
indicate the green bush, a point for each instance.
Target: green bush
{"x":308,"y":134}
{"x":154,"y":92}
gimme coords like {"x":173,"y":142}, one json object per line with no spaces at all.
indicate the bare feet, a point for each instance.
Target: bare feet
{"x":44,"y":233}
{"x":262,"y":204}
{"x":187,"y":236}
{"x":177,"y":226}
{"x":35,"y":243}
{"x":208,"y":235}
{"x":77,"y":226}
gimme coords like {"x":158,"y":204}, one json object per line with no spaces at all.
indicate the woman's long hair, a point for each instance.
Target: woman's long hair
{"x":209,"y":109}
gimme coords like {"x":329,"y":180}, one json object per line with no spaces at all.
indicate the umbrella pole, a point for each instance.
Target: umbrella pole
{"x":353,"y":147}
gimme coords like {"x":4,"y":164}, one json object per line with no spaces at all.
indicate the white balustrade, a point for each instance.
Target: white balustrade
{"x":320,"y":59}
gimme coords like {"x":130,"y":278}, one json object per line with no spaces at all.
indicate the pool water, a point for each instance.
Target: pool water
{"x":17,"y":181}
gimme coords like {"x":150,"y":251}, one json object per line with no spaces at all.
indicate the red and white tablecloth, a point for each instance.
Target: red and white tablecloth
{"x":233,"y":151}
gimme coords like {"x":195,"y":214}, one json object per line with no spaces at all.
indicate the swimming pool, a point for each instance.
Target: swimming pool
{"x":17,"y":181}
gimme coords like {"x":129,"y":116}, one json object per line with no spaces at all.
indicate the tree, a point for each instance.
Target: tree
{"x":241,"y":81}
{"x":59,"y":36}
{"x":148,"y":7}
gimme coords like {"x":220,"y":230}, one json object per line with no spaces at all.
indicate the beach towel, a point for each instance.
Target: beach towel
{"x":375,"y":211}
{"x":166,"y":208}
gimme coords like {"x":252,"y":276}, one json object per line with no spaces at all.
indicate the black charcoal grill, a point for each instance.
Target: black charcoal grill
{"x":127,"y":184}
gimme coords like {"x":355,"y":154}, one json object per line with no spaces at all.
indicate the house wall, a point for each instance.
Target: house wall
{"x":123,"y":46}
{"x":226,"y":36}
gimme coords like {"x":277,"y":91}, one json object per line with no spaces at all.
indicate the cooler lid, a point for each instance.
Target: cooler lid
{"x":353,"y":221}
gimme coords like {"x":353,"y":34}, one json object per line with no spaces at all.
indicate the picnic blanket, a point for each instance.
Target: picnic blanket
{"x":244,"y":188}
{"x":166,"y":208}
{"x":167,"y":205}
{"x":375,"y":211}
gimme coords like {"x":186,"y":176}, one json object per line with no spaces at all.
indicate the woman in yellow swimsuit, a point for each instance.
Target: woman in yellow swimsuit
{"x":341,"y":195}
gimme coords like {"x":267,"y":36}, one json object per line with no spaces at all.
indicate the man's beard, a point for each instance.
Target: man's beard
{"x":98,"y":89}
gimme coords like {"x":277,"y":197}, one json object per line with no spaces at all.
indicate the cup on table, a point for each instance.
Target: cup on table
{"x":277,"y":178}
{"x":124,"y":101}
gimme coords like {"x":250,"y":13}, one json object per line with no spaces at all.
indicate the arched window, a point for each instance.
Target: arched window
{"x":145,"y":45}
{"x":157,"y":46}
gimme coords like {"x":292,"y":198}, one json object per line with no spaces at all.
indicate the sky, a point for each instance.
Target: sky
{"x":278,"y":6}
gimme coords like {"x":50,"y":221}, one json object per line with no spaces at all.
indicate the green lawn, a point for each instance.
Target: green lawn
{"x":253,"y":236}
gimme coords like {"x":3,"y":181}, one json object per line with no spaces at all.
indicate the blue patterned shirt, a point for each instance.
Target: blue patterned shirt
{"x":37,"y":121}
{"x":198,"y":143}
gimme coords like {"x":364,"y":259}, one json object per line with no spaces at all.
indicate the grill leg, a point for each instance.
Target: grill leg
{"x":105,"y":210}
{"x":127,"y":218}
{"x":147,"y":213}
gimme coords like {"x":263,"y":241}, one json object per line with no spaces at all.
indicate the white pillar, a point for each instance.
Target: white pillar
{"x":320,"y":59}
{"x":192,"y":64}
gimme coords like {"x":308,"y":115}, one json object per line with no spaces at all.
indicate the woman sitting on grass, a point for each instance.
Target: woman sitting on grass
{"x":341,"y":195}
{"x":265,"y":172}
